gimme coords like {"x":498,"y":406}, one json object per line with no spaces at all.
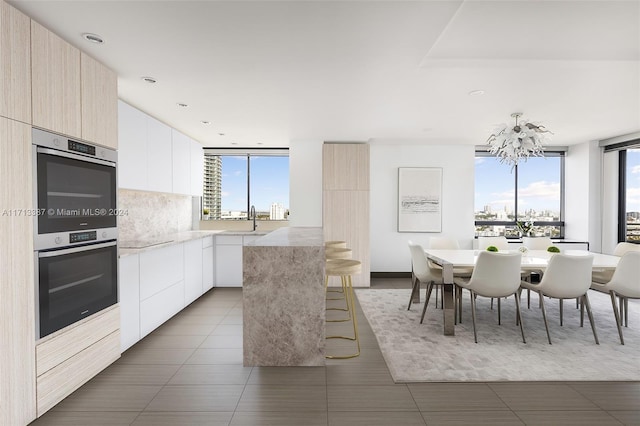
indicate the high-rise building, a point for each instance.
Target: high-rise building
{"x":277,"y":211}
{"x":212,"y":189}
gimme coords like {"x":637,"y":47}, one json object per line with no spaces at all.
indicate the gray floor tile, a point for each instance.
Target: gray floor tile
{"x":159,"y":341}
{"x":196,"y":398}
{"x":568,"y":418}
{"x":232,"y":319}
{"x":306,"y":376}
{"x":476,"y":418}
{"x":186,"y":319}
{"x":227,"y":330}
{"x":312,"y":418}
{"x":107,"y":397}
{"x":375,"y":418}
{"x":611,"y":396}
{"x":221,"y":342}
{"x":138,"y":355}
{"x":358,"y":374}
{"x":211,"y":375}
{"x":629,"y":418}
{"x":370,"y":398}
{"x":216,"y":356}
{"x":184,"y":419}
{"x":130,"y":374}
{"x":541,"y":396}
{"x":455,"y":397}
{"x":282,"y":398}
{"x":70,"y":418}
{"x":170,"y":329}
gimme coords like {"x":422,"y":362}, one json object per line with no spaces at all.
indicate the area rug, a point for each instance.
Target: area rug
{"x":417,"y":352}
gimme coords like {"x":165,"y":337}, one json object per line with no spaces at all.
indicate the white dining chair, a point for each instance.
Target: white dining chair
{"x":500,"y":243}
{"x":604,"y":276}
{"x":495,"y":275}
{"x":422,"y":273}
{"x":566,"y":277}
{"x":537,"y":243}
{"x":624,"y":284}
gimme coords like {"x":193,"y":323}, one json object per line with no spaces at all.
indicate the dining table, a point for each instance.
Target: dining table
{"x":535,"y":260}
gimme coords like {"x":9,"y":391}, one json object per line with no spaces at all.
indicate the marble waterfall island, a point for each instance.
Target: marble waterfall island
{"x":284,"y":299}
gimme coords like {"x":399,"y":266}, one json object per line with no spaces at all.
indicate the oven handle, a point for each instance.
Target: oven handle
{"x":75,"y":249}
{"x":75,"y":156}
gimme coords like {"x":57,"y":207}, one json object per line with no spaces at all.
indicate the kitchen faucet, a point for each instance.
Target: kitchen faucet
{"x":253,"y":214}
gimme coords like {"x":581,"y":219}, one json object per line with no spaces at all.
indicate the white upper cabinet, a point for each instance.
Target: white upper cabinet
{"x":181,"y":148}
{"x":197,"y":168}
{"x":159,"y":156}
{"x":132,"y":152}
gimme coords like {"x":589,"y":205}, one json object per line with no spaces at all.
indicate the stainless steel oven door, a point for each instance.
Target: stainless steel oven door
{"x":73,"y":283}
{"x":73,"y":192}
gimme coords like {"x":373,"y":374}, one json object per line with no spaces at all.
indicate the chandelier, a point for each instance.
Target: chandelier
{"x":521,"y":141}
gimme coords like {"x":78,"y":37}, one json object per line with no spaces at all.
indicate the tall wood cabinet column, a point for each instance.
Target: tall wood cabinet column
{"x":17,"y":299}
{"x":345,"y":195}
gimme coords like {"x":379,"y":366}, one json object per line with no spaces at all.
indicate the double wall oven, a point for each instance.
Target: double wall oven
{"x":75,"y":238}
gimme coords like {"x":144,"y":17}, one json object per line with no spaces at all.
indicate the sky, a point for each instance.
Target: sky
{"x":538,"y":184}
{"x":269,"y":182}
{"x":633,"y":180}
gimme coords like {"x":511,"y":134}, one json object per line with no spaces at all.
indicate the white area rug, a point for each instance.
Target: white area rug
{"x":417,"y":352}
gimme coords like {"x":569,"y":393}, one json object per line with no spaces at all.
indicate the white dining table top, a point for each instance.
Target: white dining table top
{"x":531,"y":259}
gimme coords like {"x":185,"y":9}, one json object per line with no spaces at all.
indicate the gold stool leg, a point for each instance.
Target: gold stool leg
{"x":349,"y":293}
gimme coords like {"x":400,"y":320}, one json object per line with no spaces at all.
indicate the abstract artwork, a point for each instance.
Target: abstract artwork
{"x":419,"y":199}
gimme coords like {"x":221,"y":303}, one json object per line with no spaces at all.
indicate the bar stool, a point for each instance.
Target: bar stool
{"x":335,"y":244}
{"x":344,"y":268}
{"x":330,"y":254}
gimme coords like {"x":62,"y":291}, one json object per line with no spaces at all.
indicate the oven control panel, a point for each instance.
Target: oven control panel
{"x":82,"y":148}
{"x":82,"y":237}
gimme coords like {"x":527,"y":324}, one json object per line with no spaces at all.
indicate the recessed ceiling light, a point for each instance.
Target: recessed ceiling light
{"x":205,"y":122}
{"x":181,"y":105}
{"x":476,"y":93}
{"x":149,"y":80}
{"x":234,"y":143}
{"x":220,"y":134}
{"x":259,"y":143}
{"x":93,"y":38}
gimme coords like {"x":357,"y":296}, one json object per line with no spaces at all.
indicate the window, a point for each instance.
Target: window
{"x":531,"y":191}
{"x":629,"y":196}
{"x":233,"y":182}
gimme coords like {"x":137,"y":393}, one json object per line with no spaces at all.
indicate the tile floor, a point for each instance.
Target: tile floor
{"x":189,"y":372}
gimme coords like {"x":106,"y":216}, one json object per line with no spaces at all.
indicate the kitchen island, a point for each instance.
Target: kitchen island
{"x":284,"y":299}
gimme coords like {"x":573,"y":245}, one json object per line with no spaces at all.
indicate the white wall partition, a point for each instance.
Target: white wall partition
{"x":389,"y":250}
{"x":305,"y":183}
{"x":610,"y":169}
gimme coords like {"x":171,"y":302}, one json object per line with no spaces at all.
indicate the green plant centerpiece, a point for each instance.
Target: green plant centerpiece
{"x":492,"y":248}
{"x":553,"y":249}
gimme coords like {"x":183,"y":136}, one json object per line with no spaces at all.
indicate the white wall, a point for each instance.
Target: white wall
{"x":583,"y":194}
{"x":305,"y":183}
{"x":610,"y":201}
{"x":389,"y":250}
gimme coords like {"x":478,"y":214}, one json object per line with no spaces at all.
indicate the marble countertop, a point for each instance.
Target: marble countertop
{"x":130,"y":247}
{"x":291,"y":237}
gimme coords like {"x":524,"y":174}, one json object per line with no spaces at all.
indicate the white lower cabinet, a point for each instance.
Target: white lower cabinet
{"x":192,"y":271}
{"x":208,"y":272}
{"x":229,"y":261}
{"x":157,"y":309}
{"x":158,"y":283}
{"x":129,"y":295}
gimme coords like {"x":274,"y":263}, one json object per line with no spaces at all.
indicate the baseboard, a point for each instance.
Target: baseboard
{"x":391,"y":275}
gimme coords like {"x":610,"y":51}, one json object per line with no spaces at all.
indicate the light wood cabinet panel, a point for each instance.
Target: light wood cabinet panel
{"x":99,"y":100}
{"x":345,"y":166}
{"x":68,"y":342}
{"x":62,"y":380}
{"x":129,"y":291}
{"x":55,"y":83}
{"x":15,"y":64}
{"x":17,"y":299}
{"x":159,"y":156}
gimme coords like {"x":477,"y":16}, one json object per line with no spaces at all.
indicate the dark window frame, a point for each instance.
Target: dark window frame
{"x":560,"y":223}
{"x":622,"y":148}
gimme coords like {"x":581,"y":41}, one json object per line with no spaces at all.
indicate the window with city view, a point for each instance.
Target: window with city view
{"x":531,"y":191}
{"x":632,"y":195}
{"x":234,"y":183}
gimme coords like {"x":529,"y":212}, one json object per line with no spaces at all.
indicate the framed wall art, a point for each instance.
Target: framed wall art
{"x":419,"y":199}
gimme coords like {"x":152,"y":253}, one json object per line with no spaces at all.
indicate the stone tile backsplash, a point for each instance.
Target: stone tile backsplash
{"x":148,"y":215}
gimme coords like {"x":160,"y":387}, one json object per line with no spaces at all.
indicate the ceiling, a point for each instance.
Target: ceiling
{"x":264,"y":73}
